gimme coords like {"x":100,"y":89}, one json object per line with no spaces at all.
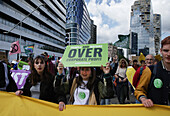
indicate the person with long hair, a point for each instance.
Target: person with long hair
{"x":86,"y":89}
{"x":122,"y":81}
{"x":39,"y":83}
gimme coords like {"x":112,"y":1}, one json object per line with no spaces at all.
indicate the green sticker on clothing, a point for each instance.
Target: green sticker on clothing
{"x":157,"y":83}
{"x":82,"y":95}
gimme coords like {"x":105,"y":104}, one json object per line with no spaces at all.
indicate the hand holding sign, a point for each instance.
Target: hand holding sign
{"x":106,"y":69}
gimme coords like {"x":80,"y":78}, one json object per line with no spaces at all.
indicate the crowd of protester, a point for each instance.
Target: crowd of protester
{"x":51,"y":81}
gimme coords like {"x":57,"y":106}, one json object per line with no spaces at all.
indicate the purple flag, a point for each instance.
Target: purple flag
{"x":20,"y":77}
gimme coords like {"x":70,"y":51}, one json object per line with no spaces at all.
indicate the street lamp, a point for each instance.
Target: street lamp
{"x":21,"y":24}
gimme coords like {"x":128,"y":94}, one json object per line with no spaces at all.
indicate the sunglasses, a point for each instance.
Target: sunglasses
{"x":123,"y":63}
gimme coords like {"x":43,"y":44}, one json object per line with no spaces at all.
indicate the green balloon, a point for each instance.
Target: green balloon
{"x":157,"y":83}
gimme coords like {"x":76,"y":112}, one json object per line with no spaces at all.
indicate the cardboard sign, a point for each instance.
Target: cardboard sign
{"x":87,"y":55}
{"x":20,"y":77}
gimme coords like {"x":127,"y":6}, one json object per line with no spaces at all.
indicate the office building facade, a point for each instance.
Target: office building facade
{"x":133,"y":43}
{"x":112,"y":50}
{"x":93,"y":39}
{"x":142,"y":23}
{"x":78,"y":22}
{"x":157,"y":31}
{"x":40,"y":23}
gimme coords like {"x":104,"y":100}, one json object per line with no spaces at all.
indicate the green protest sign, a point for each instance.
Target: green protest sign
{"x":21,"y":63}
{"x":91,"y":55}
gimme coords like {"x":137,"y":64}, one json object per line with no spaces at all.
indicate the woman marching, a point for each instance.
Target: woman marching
{"x":39,"y":83}
{"x":86,"y":89}
{"x":122,"y":81}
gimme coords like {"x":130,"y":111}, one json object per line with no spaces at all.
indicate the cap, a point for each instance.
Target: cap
{"x":45,"y":54}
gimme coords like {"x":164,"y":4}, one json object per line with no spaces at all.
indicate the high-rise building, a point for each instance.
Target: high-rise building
{"x":93,"y":33}
{"x":38,"y":22}
{"x":157,"y":31}
{"x":78,"y":22}
{"x":133,"y":43}
{"x":142,"y":23}
{"x":112,"y":50}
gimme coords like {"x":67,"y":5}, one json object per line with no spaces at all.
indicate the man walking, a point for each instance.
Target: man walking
{"x":154,"y":85}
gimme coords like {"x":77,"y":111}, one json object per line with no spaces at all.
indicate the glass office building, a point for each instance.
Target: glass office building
{"x":93,"y":39}
{"x":157,"y":31}
{"x":43,"y":24}
{"x":78,"y":22}
{"x":142,"y":23}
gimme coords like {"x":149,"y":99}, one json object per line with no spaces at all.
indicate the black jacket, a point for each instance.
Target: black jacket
{"x":160,"y":95}
{"x":11,"y":87}
{"x":47,"y":92}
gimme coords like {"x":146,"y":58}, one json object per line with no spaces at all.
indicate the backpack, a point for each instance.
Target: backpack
{"x":139,"y":72}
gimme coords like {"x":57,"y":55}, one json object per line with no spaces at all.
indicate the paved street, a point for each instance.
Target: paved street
{"x":130,"y":101}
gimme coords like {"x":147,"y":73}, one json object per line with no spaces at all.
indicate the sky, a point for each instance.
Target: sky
{"x":112,"y":17}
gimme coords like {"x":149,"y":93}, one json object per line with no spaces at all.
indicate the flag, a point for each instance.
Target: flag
{"x":15,"y":48}
{"x":123,"y":41}
{"x":141,"y":57}
{"x":158,"y":57}
{"x":29,"y":49}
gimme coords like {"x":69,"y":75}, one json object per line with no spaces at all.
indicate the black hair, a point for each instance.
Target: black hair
{"x":135,"y":60}
{"x":142,"y":61}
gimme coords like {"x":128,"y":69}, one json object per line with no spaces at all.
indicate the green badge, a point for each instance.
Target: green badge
{"x":82,"y":95}
{"x":157,"y":83}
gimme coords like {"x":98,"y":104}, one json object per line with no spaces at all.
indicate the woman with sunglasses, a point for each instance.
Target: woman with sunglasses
{"x":121,"y":80}
{"x":39,"y":83}
{"x":86,"y":89}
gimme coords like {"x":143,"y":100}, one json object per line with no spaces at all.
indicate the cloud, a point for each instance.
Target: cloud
{"x":112,"y":17}
{"x":163,"y":7}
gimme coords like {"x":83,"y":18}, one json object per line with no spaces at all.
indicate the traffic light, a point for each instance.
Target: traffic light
{"x":67,"y":40}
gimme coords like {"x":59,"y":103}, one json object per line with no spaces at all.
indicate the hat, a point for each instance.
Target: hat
{"x":14,"y":62}
{"x":45,"y":54}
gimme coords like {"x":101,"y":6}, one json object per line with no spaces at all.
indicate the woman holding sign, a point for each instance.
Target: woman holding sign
{"x":39,"y":83}
{"x":86,"y":89}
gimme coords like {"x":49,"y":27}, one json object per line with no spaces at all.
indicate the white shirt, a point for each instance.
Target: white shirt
{"x":81,"y":95}
{"x":35,"y":91}
{"x":121,"y":72}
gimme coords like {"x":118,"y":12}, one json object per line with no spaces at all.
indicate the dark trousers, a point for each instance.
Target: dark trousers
{"x":122,"y":91}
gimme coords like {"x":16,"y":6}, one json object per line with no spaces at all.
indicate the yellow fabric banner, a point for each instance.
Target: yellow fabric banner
{"x":130,"y":73}
{"x":12,"y":105}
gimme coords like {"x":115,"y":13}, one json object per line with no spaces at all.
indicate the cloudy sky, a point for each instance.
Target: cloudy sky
{"x":112,"y":17}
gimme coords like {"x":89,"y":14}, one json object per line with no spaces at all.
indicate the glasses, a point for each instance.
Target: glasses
{"x":123,"y":62}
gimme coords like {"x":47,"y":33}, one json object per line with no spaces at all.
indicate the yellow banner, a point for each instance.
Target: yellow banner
{"x":12,"y":105}
{"x":130,"y":73}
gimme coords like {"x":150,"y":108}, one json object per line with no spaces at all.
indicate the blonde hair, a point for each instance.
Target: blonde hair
{"x":120,"y":63}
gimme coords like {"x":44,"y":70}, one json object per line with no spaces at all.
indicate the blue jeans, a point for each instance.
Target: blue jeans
{"x":105,"y":102}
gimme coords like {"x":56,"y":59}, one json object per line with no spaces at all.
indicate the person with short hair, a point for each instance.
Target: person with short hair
{"x":154,"y":84}
{"x":135,"y":64}
{"x":149,"y":59}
